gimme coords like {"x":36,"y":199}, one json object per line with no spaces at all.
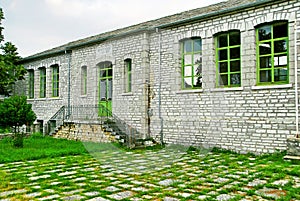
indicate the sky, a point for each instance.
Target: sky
{"x":38,"y":25}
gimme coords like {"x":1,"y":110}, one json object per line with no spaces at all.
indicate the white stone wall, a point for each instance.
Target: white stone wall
{"x":245,"y":119}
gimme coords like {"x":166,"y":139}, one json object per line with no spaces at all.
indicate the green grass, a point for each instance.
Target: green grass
{"x":37,"y":147}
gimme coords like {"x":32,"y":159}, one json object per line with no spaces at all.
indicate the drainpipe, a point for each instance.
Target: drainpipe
{"x":69,"y":85}
{"x":296,"y":82}
{"x":159,"y":88}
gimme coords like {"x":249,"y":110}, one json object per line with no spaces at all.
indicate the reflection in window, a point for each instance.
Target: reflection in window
{"x":192,"y":63}
{"x":229,"y":59}
{"x":272,"y":43}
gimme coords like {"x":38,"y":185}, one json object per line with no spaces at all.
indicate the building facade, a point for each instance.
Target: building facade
{"x":219,"y":76}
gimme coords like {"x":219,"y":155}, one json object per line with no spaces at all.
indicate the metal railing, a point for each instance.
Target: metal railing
{"x":99,"y":114}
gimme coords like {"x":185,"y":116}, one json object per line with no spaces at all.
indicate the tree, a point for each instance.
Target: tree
{"x":10,"y":70}
{"x":16,"y":112}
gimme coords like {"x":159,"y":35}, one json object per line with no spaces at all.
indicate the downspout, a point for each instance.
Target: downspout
{"x":69,"y":85}
{"x":159,"y":88}
{"x":296,"y":81}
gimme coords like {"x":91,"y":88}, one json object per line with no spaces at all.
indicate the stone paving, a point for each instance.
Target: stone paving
{"x":163,"y":175}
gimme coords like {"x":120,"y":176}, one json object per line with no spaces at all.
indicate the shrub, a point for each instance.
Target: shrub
{"x":15,"y":112}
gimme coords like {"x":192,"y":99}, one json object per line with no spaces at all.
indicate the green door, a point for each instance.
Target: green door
{"x":105,"y":89}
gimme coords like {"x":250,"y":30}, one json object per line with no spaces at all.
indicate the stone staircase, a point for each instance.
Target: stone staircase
{"x":83,"y":123}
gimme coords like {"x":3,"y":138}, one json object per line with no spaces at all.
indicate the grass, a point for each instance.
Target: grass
{"x":37,"y":147}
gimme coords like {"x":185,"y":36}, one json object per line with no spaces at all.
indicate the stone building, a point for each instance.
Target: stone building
{"x":222,"y":75}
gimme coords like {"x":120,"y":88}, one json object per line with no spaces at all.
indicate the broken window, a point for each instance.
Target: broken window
{"x":191,"y":50}
{"x":228,"y":50}
{"x":272,"y":44}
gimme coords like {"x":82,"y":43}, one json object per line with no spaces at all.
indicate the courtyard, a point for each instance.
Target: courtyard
{"x":108,"y":172}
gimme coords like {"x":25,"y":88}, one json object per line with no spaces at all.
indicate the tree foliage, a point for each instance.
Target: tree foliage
{"x":16,"y":112}
{"x":10,"y":70}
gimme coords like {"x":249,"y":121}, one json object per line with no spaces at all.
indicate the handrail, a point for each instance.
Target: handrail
{"x":98,"y":114}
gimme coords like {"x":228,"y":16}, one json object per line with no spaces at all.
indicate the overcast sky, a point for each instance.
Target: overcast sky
{"x":37,"y":25}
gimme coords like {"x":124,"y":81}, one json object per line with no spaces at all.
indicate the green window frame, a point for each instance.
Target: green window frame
{"x":272,"y":50}
{"x":228,"y":57}
{"x":55,"y":80}
{"x":128,"y":75}
{"x":42,"y":82}
{"x":83,"y":80}
{"x":191,"y":59}
{"x":30,"y":83}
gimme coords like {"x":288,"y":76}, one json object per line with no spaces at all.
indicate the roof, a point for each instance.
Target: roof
{"x":197,"y":14}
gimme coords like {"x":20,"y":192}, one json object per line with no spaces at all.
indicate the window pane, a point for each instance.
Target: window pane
{"x":265,"y":48}
{"x":187,"y":59}
{"x":265,"y":62}
{"x":109,"y":72}
{"x":197,"y":45}
{"x":188,"y":46}
{"x":280,"y":46}
{"x":264,"y":33}
{"x":280,"y":30}
{"x":234,"y":38}
{"x":223,"y":81}
{"x":197,"y":70}
{"x":187,"y":82}
{"x":102,"y":89}
{"x":197,"y":59}
{"x":198,"y":81}
{"x":187,"y":71}
{"x":280,"y":60}
{"x":265,"y":76}
{"x":109,"y":88}
{"x":103,"y":73}
{"x":223,"y":67}
{"x":235,"y":53}
{"x":223,"y":55}
{"x":222,"y":40}
{"x":280,"y":74}
{"x":235,"y":66}
{"x":235,"y":79}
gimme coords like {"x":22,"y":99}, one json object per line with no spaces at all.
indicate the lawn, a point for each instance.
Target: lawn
{"x":72,"y":170}
{"x":38,"y":146}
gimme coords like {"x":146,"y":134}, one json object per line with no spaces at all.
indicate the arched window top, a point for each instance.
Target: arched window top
{"x":105,"y":64}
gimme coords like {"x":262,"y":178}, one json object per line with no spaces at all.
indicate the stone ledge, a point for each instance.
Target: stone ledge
{"x":293,"y":146}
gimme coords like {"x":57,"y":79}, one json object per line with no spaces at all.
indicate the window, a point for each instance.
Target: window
{"x":42,"y":82}
{"x":228,"y":56}
{"x":55,"y":80}
{"x":191,"y":51}
{"x":128,"y":78}
{"x":83,"y":80}
{"x":272,"y":53}
{"x":31,"y":84}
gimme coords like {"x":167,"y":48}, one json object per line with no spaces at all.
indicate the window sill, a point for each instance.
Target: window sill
{"x":227,"y":89}
{"x":189,"y":91}
{"x":280,"y":86}
{"x":127,"y":94}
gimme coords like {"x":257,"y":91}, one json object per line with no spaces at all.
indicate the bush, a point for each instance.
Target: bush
{"x":18,"y":140}
{"x":15,"y":112}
